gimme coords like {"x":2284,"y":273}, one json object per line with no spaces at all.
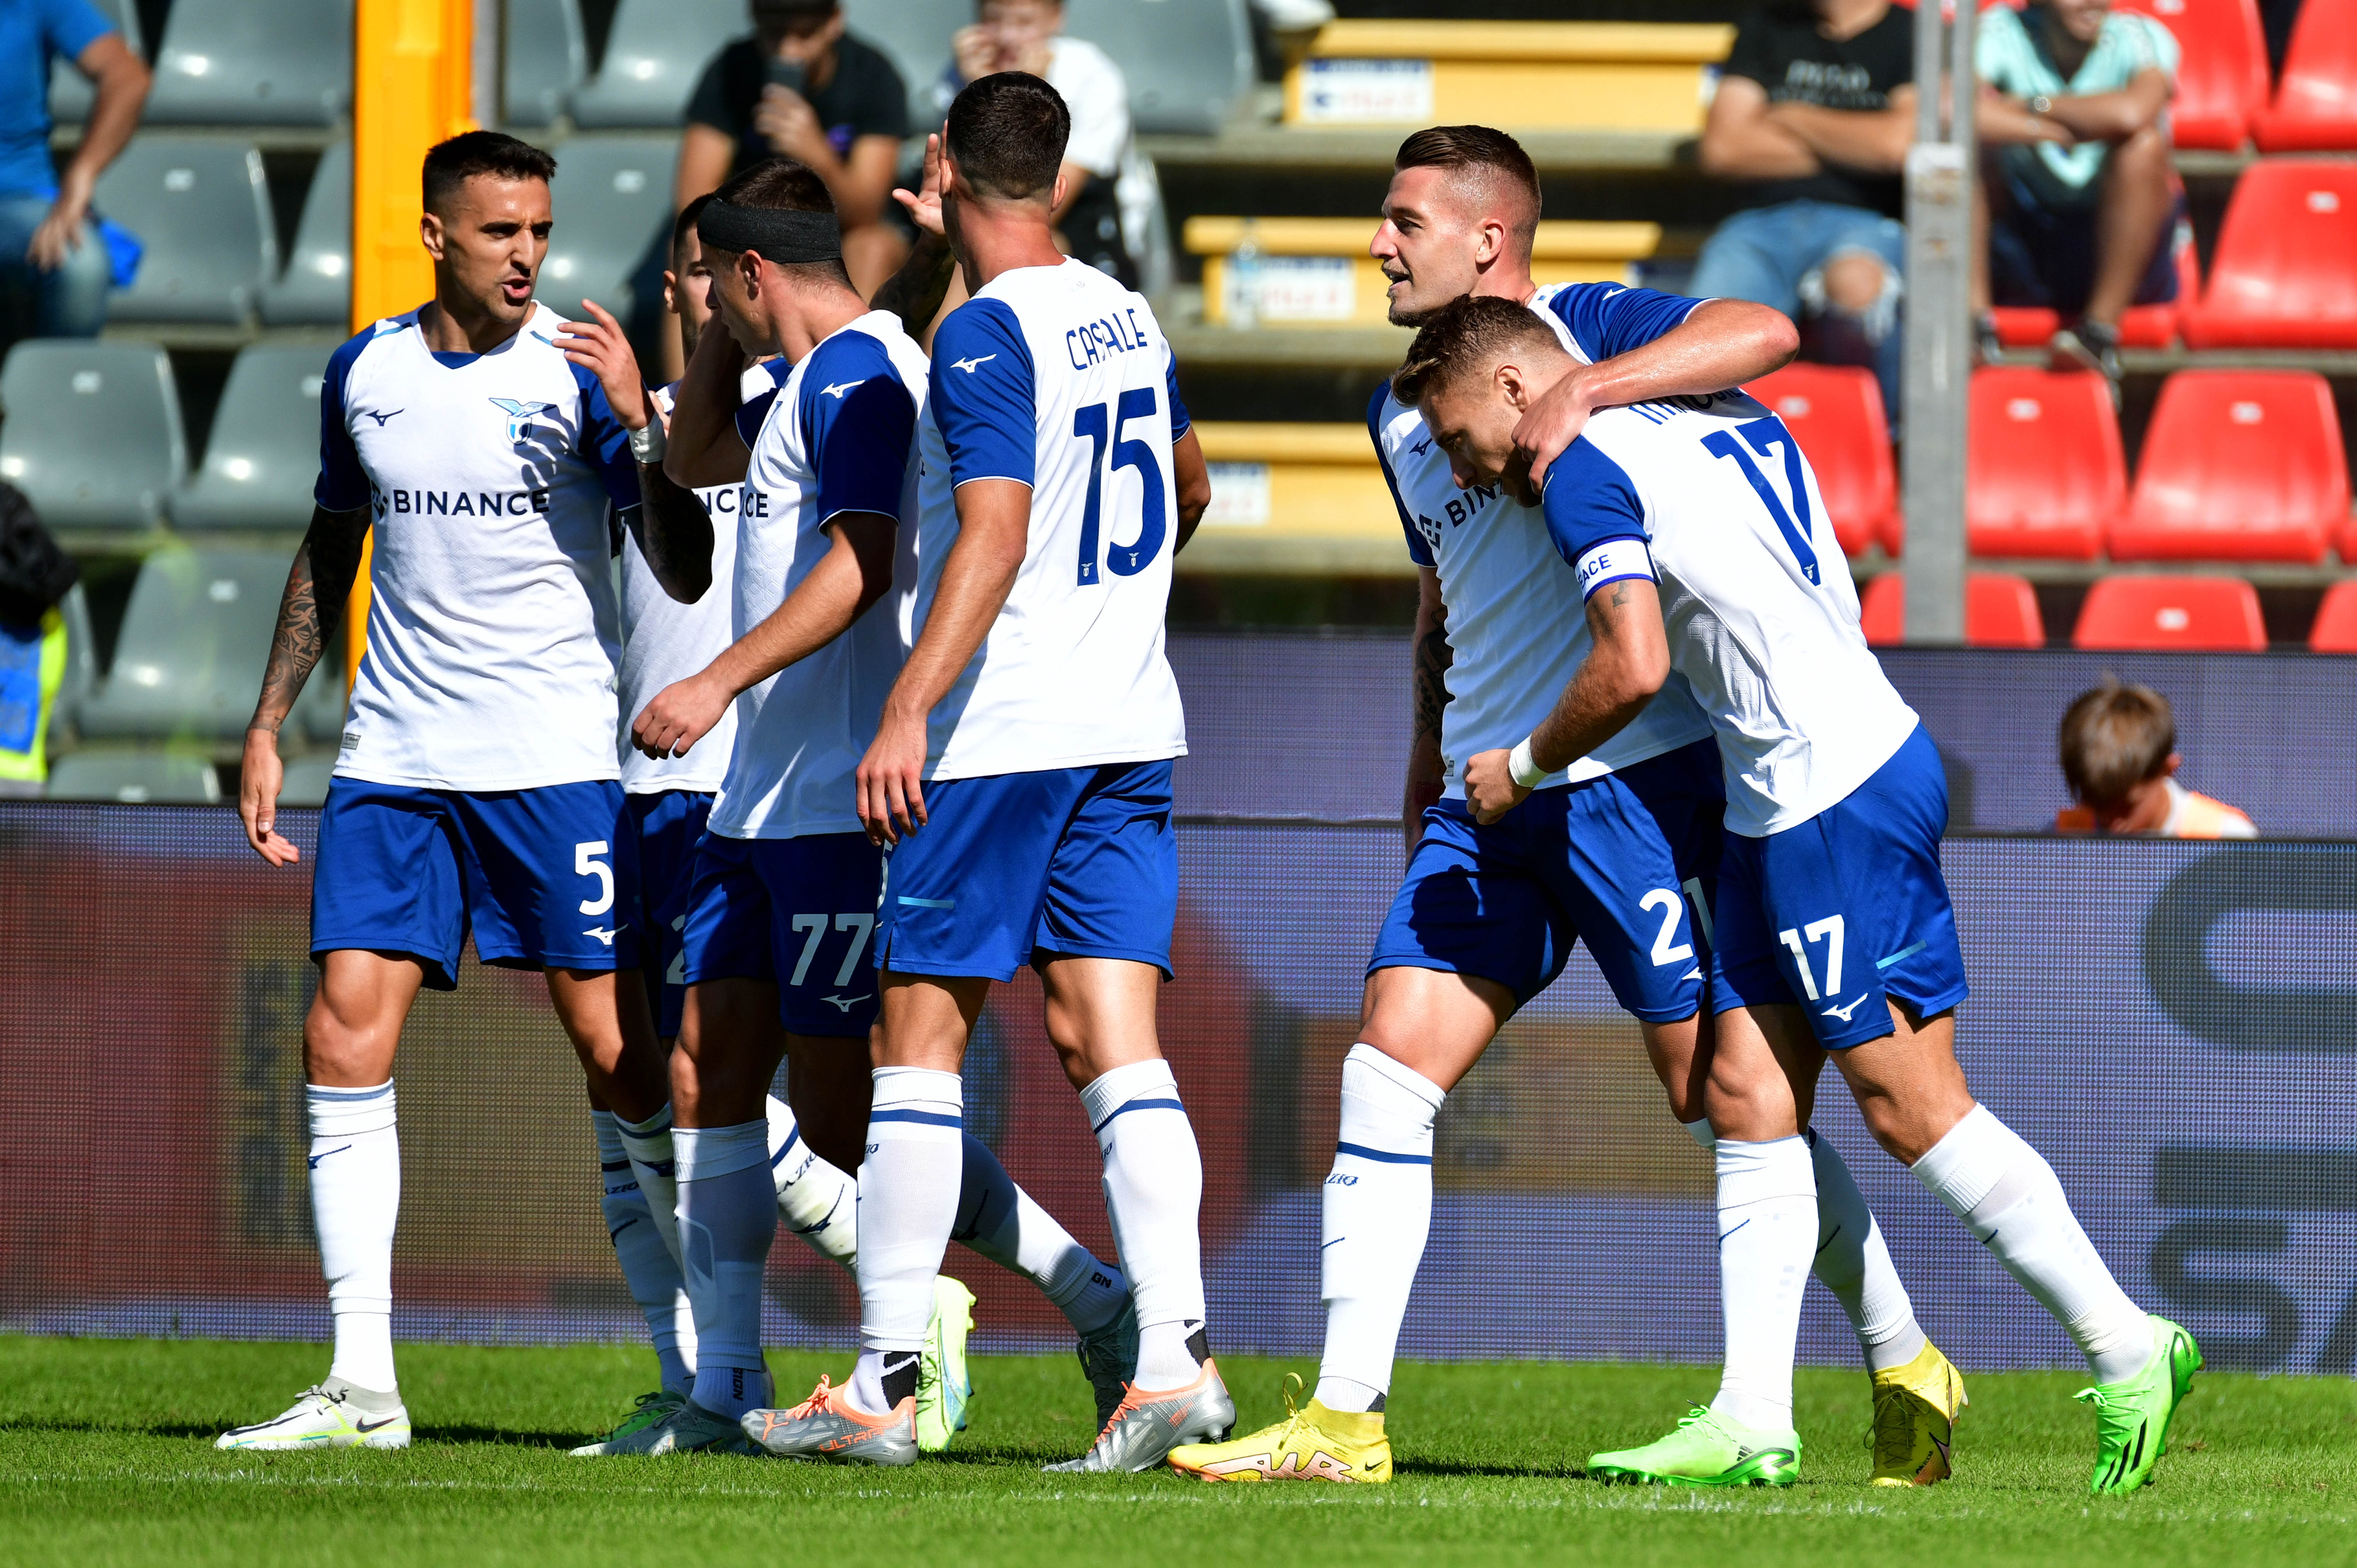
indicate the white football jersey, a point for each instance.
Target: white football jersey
{"x":1712,"y":499}
{"x":1515,"y":632}
{"x":493,"y":636}
{"x":665,"y":641}
{"x":1060,"y":378}
{"x":839,"y":436}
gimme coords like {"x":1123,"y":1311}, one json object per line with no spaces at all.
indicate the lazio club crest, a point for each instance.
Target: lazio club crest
{"x":520,"y":416}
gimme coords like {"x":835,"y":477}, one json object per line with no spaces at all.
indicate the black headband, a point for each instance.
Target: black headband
{"x":782,"y":237}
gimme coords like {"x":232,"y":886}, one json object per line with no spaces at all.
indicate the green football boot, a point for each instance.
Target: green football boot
{"x":1706,"y":1450}
{"x":2132,"y":1417}
{"x":943,"y":1384}
{"x":651,"y":1410}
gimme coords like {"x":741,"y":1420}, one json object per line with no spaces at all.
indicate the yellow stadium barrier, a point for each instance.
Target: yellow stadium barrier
{"x":1296,"y":498}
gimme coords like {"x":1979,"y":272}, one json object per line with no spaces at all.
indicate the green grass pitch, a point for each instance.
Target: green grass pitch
{"x":106,"y":1457}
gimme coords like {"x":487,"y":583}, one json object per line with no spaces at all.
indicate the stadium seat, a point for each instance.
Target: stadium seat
{"x":612,"y":198}
{"x":254,"y":62}
{"x":195,"y":637}
{"x":2238,"y":465}
{"x":655,"y":51}
{"x":2280,"y":276}
{"x":2141,"y":325}
{"x":2335,"y":627}
{"x":1835,"y":413}
{"x":82,"y":661}
{"x":135,"y":778}
{"x":2221,"y":76}
{"x":264,"y":453}
{"x":2044,"y":470}
{"x":315,"y":290}
{"x":2316,"y":103}
{"x":1314,"y":272}
{"x":93,"y":434}
{"x":1295,"y":498}
{"x":70,"y":91}
{"x":2187,"y":615}
{"x":2000,"y":611}
{"x":545,"y":58}
{"x":1190,"y":67}
{"x":202,"y":208}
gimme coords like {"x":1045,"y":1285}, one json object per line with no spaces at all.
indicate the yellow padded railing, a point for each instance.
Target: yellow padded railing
{"x":1594,"y":76}
{"x":1297,"y":482}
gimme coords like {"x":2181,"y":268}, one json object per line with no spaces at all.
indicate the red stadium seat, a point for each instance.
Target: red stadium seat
{"x":2000,"y":611}
{"x":2316,"y":106}
{"x":1835,"y":411}
{"x":2181,"y":615}
{"x":2044,"y":473}
{"x":2335,"y":630}
{"x":2141,"y":325}
{"x":2282,"y":276}
{"x":2221,"y":80}
{"x":2238,"y":465}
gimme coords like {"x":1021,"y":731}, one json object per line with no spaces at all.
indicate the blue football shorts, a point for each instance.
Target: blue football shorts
{"x":544,"y":878}
{"x":1621,"y":861}
{"x":1839,"y":913}
{"x":798,"y":912}
{"x":1023,"y":867}
{"x":669,"y":823}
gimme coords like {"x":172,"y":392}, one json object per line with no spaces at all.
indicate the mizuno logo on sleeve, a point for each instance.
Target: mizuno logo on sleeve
{"x":970,"y":366}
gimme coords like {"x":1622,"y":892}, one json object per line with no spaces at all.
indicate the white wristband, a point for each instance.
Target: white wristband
{"x":1524,"y":768}
{"x":649,"y":445}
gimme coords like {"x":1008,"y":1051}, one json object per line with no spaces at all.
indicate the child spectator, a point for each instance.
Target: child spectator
{"x":2120,"y":757}
{"x":35,"y":575}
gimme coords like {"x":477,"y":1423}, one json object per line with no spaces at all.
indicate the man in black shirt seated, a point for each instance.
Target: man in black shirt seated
{"x":1815,"y":110}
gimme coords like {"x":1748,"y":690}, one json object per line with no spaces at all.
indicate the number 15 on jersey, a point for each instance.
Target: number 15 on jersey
{"x":1100,"y":424}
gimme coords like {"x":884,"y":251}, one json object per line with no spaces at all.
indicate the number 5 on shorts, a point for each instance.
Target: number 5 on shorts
{"x":587,"y":863}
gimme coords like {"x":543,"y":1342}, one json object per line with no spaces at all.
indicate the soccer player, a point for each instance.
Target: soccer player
{"x":477,"y":786}
{"x":1703,"y":551}
{"x":1021,"y":773}
{"x":1612,"y":849}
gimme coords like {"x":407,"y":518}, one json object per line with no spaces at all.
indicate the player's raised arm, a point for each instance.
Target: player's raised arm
{"x":703,"y":446}
{"x":672,"y":530}
{"x":319,"y":585}
{"x":915,"y":293}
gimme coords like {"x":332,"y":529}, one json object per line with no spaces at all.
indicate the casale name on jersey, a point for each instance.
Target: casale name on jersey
{"x":1092,"y":342}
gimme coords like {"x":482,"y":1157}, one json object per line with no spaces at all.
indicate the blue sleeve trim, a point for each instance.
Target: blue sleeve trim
{"x":984,"y":394}
{"x":751,"y":416}
{"x":858,"y":425}
{"x":343,"y":484}
{"x":1418,"y":550}
{"x":1182,"y":421}
{"x":1607,"y":318}
{"x":604,"y":444}
{"x":1589,"y":499}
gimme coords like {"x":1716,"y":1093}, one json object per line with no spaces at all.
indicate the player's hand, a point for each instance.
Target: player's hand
{"x":1490,"y":787}
{"x":1549,"y":427}
{"x":892,"y":788}
{"x":924,"y":208}
{"x":785,"y":120}
{"x":681,"y":715}
{"x":257,"y":797}
{"x":600,"y":346}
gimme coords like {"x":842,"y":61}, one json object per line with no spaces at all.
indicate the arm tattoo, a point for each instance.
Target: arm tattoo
{"x":317,"y":586}
{"x":1432,"y":658}
{"x":915,"y":293}
{"x":674,"y":533}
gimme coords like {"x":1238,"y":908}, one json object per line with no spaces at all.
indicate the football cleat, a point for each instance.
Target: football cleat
{"x":1109,"y":1356}
{"x":2133,"y":1416}
{"x":1706,"y":1450}
{"x":1313,"y":1445}
{"x":1915,"y":1411}
{"x":328,"y":1415}
{"x":943,"y":1384}
{"x":650,"y":1409}
{"x":1145,"y":1426}
{"x":827,"y":1425}
{"x":689,"y":1429}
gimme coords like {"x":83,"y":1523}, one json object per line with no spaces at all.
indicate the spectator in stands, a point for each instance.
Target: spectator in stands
{"x":2079,"y":200}
{"x":2120,"y":758}
{"x":1101,"y":157}
{"x":55,"y":266}
{"x":803,"y":88}
{"x":1814,"y":114}
{"x":35,"y":575}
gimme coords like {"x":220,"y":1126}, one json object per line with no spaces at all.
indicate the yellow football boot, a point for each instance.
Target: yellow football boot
{"x":1915,"y":1409}
{"x":1312,"y":1444}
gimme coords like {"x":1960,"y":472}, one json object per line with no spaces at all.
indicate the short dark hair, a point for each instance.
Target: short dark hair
{"x":1007,"y":133}
{"x":1470,"y":330}
{"x":783,"y":185}
{"x":2114,"y":738}
{"x":1477,"y":155}
{"x":449,"y":165}
{"x":684,"y":225}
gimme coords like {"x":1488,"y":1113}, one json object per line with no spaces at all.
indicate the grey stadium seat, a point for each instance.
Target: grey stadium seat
{"x":916,"y":34}
{"x":263,"y":454}
{"x":195,"y":638}
{"x":612,"y":198}
{"x":93,"y":434}
{"x":1190,"y":65}
{"x":202,"y":208}
{"x":81,"y":662}
{"x":315,"y":290}
{"x":70,"y":90}
{"x":254,"y":62}
{"x":154,"y":777}
{"x":654,"y":53}
{"x":544,"y":59}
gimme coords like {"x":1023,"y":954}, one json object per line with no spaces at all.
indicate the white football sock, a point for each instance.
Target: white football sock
{"x":355,"y":1201}
{"x":1767,"y":1229}
{"x":1377,"y":1215}
{"x":907,"y":1201}
{"x":999,"y":1221}
{"x":2008,"y":1195}
{"x":1855,"y":1266}
{"x":1154,"y":1196}
{"x":727,"y":1213}
{"x":647,"y":1144}
{"x":651,"y":1272}
{"x":816,"y":1199}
